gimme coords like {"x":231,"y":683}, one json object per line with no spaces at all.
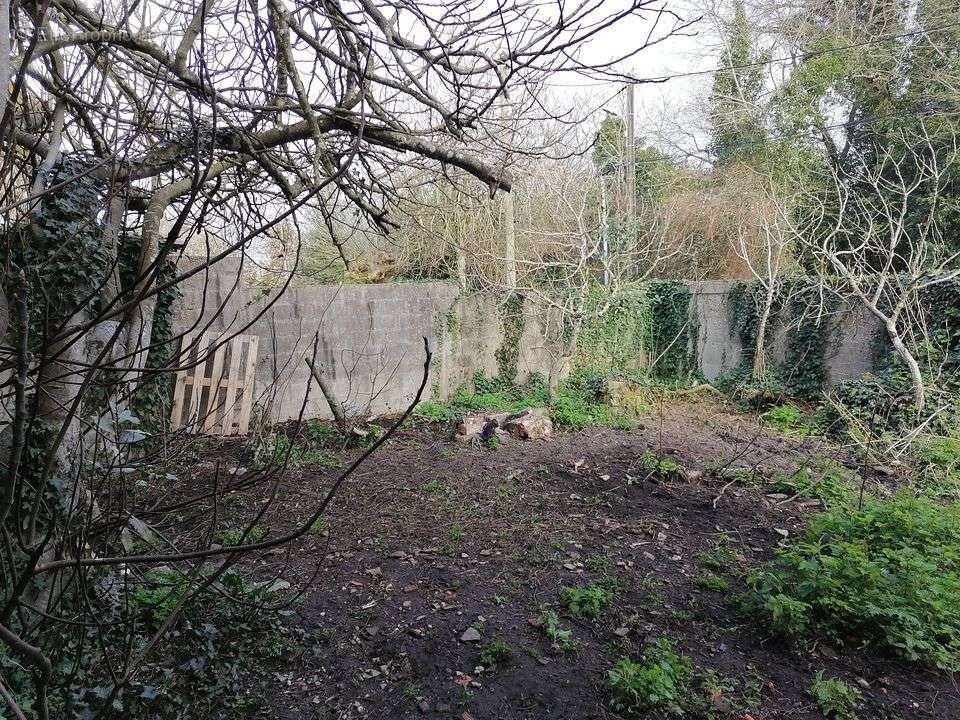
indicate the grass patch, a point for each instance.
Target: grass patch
{"x":787,"y":419}
{"x":887,"y":576}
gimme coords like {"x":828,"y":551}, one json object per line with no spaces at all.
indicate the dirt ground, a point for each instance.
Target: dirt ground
{"x":435,"y":537}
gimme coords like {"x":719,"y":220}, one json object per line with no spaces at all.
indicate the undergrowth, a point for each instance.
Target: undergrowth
{"x":579,"y":402}
{"x":886,"y":576}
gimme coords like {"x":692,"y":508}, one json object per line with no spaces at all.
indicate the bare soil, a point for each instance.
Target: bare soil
{"x":433,"y":537}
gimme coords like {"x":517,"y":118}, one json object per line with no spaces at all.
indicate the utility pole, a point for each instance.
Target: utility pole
{"x":630,"y":173}
{"x":509,"y":230}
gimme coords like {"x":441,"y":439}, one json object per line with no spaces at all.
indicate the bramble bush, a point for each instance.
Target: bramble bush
{"x":886,"y":576}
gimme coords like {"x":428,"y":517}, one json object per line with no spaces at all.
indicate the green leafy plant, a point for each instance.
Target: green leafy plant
{"x":495,"y":654}
{"x":887,"y":574}
{"x":662,"y":468}
{"x":235,"y":536}
{"x":585,"y":602}
{"x":560,"y":637}
{"x":712,"y":582}
{"x":656,"y":684}
{"x":788,"y":419}
{"x":939,"y":466}
{"x":836,"y":699}
{"x":825,"y":480}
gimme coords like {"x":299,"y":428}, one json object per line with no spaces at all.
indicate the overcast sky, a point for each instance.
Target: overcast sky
{"x":661,"y":108}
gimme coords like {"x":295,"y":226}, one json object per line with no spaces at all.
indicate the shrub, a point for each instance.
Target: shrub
{"x":585,"y":602}
{"x":887,"y":575}
{"x":883,"y":401}
{"x":939,"y":459}
{"x":836,"y":699}
{"x":656,"y":684}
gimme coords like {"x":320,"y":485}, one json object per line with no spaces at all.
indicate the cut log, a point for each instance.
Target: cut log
{"x":529,"y":424}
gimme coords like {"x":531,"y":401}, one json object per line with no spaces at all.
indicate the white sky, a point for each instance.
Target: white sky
{"x":666,"y":113}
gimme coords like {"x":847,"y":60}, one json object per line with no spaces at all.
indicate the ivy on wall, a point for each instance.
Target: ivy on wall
{"x":511,"y":322}
{"x":804,"y":370}
{"x":648,"y":326}
{"x":613,"y":333}
{"x":671,"y":330}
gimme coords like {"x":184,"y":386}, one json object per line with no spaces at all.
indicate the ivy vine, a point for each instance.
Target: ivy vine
{"x":512,"y":323}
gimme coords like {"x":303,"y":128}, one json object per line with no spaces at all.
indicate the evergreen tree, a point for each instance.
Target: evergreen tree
{"x":737,"y":131}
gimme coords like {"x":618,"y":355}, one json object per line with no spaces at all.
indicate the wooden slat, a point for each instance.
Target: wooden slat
{"x":246,"y":404}
{"x":233,"y":385}
{"x":176,"y":406}
{"x":229,"y":386}
{"x":213,"y":383}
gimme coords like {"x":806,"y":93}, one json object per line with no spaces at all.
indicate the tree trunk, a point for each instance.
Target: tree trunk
{"x":760,"y":352}
{"x":916,"y":378}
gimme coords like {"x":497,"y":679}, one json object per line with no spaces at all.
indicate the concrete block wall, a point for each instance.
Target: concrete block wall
{"x":719,"y":351}
{"x":370,"y":338}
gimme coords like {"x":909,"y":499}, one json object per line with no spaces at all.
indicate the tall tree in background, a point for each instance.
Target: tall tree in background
{"x":736,"y":123}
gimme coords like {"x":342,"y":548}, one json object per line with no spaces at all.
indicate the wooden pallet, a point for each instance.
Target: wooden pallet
{"x":213,"y":394}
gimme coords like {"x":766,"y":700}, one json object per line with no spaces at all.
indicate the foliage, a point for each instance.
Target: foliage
{"x":495,"y":654}
{"x":657,"y":684}
{"x":434,"y":411}
{"x":60,"y":249}
{"x":939,"y":459}
{"x":218,"y":651}
{"x":662,"y":468}
{"x":737,"y":133}
{"x":836,"y":699}
{"x":825,"y":480}
{"x":803,"y":373}
{"x":613,"y":335}
{"x":585,"y":602}
{"x":712,"y":582}
{"x":808,"y":339}
{"x":876,"y":402}
{"x":887,"y":575}
{"x":560,"y":637}
{"x":671,"y":333}
{"x":310,"y":446}
{"x":512,"y":322}
{"x":788,"y":419}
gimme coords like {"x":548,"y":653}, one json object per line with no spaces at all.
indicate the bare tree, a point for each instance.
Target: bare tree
{"x":763,"y":242}
{"x":876,"y":237}
{"x":127,"y":129}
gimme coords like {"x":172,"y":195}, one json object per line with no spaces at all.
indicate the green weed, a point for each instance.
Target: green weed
{"x":712,"y":582}
{"x":585,"y":602}
{"x":836,"y":699}
{"x":495,"y":654}
{"x":788,"y":419}
{"x":656,"y":684}
{"x":888,"y":574}
{"x":560,"y":637}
